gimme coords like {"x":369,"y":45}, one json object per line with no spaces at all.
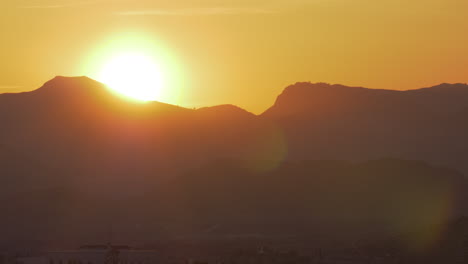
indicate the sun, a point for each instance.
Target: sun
{"x":134,"y":75}
{"x":138,"y":66}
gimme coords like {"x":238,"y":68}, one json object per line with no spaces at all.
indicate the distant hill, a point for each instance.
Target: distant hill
{"x":323,"y":121}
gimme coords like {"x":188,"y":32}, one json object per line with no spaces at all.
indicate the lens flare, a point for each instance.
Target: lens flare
{"x":268,"y":150}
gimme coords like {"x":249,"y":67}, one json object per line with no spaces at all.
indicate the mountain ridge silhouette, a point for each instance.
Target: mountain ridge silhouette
{"x":86,"y":82}
{"x":307,"y":121}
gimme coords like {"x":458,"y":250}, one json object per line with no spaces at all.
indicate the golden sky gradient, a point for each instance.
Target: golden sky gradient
{"x":242,"y":52}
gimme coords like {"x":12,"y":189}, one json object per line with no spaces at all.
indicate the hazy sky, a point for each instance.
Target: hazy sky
{"x":243,"y":52}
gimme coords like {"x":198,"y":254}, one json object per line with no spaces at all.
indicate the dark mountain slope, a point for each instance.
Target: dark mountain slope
{"x":20,"y":173}
{"x":226,"y":199}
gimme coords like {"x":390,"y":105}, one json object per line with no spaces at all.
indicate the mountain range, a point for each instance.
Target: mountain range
{"x":76,"y":157}
{"x":79,"y":120}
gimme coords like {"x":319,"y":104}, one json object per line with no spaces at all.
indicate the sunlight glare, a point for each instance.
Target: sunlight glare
{"x":133,"y":75}
{"x":136,"y":66}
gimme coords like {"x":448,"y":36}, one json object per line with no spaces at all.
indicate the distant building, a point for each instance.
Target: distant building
{"x":96,"y":254}
{"x":268,"y":256}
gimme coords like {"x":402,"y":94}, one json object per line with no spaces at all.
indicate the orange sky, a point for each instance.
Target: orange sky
{"x":243,"y":52}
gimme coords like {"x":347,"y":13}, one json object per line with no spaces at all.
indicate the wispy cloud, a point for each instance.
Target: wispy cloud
{"x":43,"y":6}
{"x":196,"y":11}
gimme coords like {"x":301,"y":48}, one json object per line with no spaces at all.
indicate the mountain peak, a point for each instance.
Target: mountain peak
{"x":318,"y":86}
{"x":65,"y":78}
{"x":445,"y":88}
{"x":298,"y":90}
{"x":306,"y":96}
{"x":320,"y":99}
{"x":71,"y":85}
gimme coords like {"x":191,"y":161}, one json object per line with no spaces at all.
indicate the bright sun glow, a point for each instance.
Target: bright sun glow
{"x":133,"y":75}
{"x":136,"y":66}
